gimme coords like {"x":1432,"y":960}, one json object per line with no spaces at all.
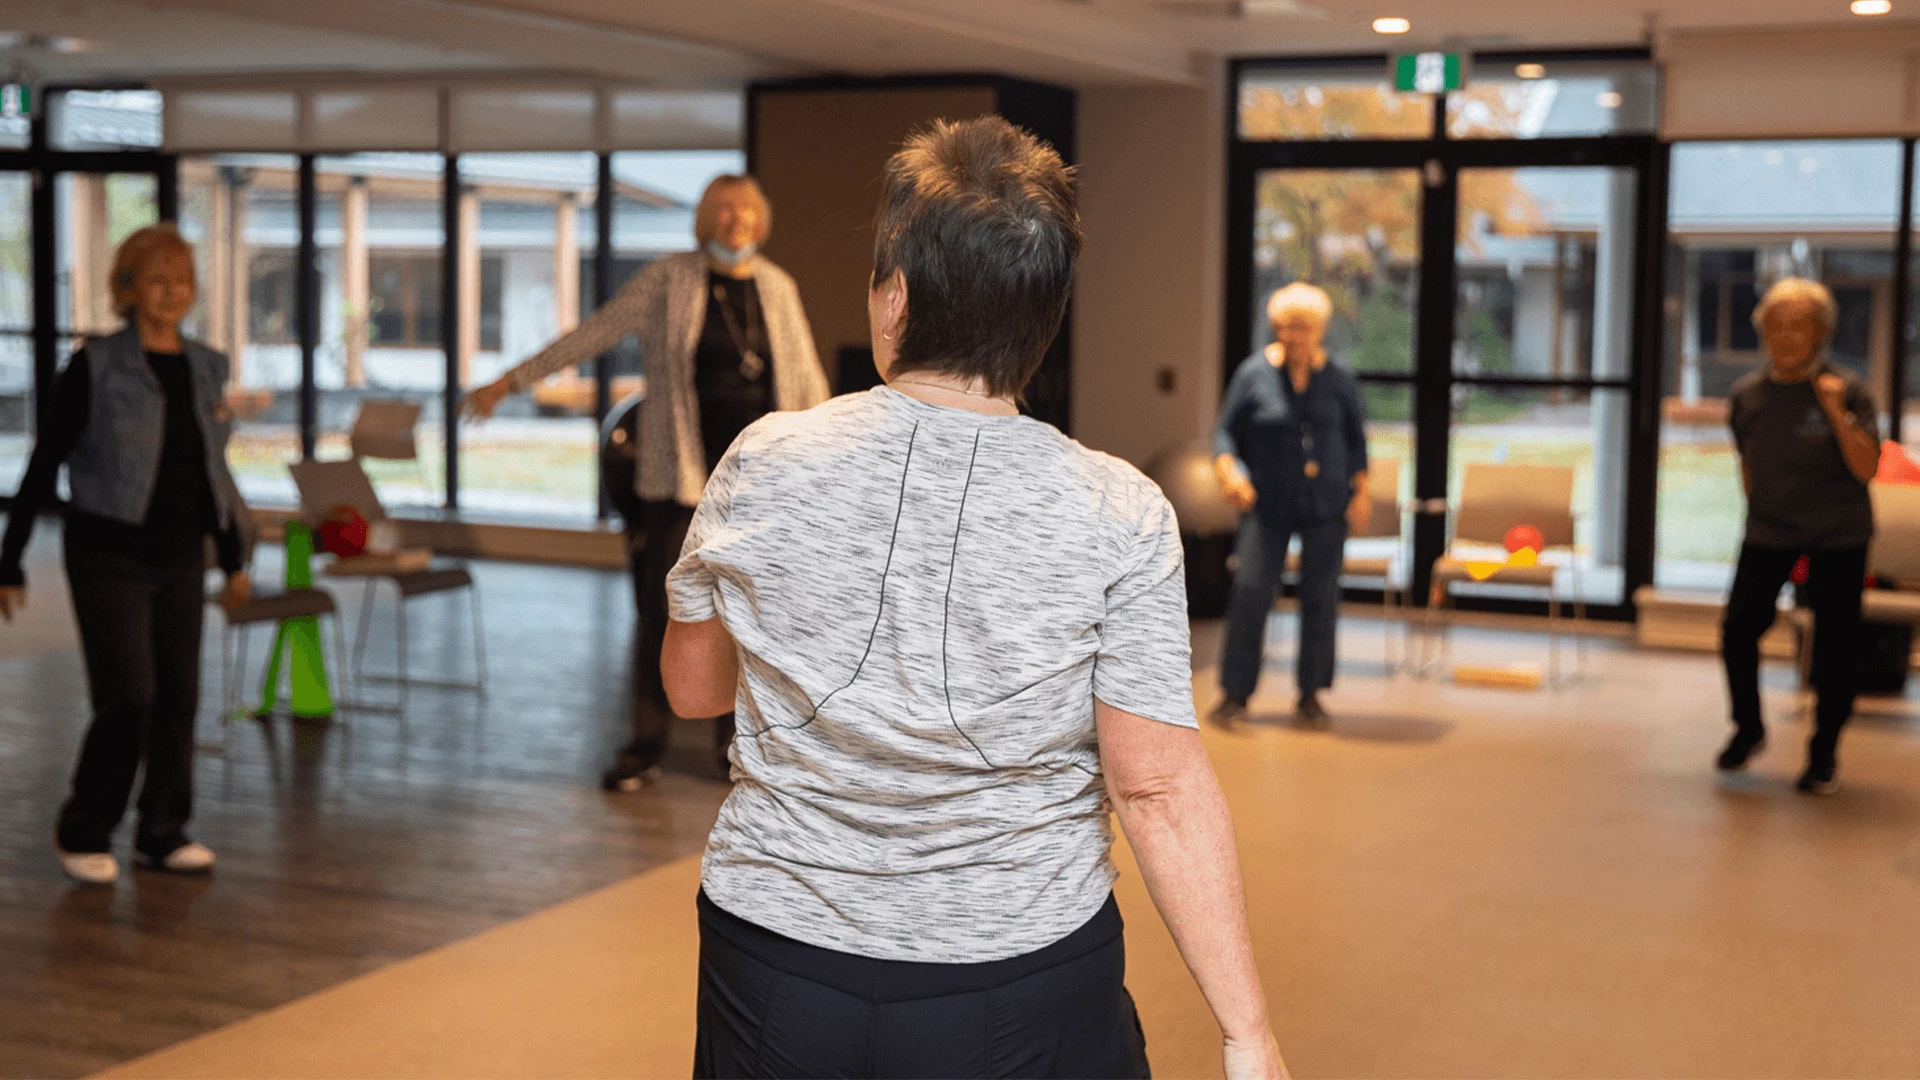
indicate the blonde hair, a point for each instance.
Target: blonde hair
{"x":1301,"y":296}
{"x":706,"y":215}
{"x":1825,"y":312}
{"x":141,"y":247}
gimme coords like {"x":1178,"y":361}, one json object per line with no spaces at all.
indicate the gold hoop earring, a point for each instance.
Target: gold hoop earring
{"x":886,"y":337}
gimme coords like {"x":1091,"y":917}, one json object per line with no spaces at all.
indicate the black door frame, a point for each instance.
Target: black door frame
{"x":1438,"y":160}
{"x":43,"y":164}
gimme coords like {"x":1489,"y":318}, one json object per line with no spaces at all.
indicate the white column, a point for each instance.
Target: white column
{"x":1689,"y":326}
{"x":239,"y":275}
{"x":566,"y":263}
{"x":355,"y":276}
{"x":469,"y":284}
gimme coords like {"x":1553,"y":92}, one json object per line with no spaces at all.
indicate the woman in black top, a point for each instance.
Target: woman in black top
{"x":1808,"y":434}
{"x":139,"y":420}
{"x":724,"y":341}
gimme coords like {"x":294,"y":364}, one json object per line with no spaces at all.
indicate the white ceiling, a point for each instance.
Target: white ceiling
{"x":725,"y":42}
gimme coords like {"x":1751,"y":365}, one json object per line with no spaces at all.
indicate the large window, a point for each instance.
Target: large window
{"x":380,"y":238}
{"x":1344,"y":183}
{"x":1287,"y":101}
{"x":239,"y":213}
{"x":16,"y":328}
{"x":1742,"y":216}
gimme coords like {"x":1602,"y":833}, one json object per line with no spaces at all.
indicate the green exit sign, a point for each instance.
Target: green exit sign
{"x":16,"y":101}
{"x":1428,"y":73}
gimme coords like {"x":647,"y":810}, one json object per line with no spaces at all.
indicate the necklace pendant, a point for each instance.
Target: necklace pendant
{"x":751,"y":366}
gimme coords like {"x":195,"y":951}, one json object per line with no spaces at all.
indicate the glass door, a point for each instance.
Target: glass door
{"x":1356,"y":234}
{"x":1542,"y":347}
{"x":1534,"y":254}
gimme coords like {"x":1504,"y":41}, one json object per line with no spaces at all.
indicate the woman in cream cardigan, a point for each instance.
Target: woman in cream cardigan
{"x":723,"y":341}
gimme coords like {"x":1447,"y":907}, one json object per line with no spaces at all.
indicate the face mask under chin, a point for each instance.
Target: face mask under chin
{"x":730,"y":257}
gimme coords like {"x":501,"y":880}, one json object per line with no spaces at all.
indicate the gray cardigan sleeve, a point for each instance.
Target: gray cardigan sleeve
{"x":624,"y":314}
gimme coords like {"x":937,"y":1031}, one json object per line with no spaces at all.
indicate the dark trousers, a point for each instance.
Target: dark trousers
{"x":1262,"y":554}
{"x":140,"y":635}
{"x":653,"y":546}
{"x":773,"y":1006}
{"x":1834,"y":580}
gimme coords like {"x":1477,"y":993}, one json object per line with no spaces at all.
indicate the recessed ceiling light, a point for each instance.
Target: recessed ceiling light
{"x":1872,"y":7}
{"x":1391,"y":25}
{"x":1531,"y":71}
{"x":1608,"y":99}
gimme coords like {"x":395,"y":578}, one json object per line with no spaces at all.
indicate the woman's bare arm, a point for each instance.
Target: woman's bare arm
{"x":1175,"y":817}
{"x":700,"y":666}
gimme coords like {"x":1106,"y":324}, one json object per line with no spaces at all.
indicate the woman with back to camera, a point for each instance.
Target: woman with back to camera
{"x":723,"y":341}
{"x":955,"y":638}
{"x":139,"y":418}
{"x":1291,"y":454}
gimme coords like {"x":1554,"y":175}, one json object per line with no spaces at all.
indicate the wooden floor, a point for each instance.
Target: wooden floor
{"x":342,"y":848}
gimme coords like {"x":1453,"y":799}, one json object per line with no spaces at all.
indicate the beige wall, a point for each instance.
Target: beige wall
{"x":1828,"y":81}
{"x":824,"y":150}
{"x":1152,"y":183}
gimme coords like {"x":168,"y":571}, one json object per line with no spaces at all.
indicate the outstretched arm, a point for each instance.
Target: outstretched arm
{"x":601,"y":331}
{"x":1175,"y":816}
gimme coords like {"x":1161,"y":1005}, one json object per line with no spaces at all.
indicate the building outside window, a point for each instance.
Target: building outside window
{"x":1742,"y":216}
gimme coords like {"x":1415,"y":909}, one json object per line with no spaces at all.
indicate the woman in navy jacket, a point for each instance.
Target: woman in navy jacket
{"x":1291,"y":454}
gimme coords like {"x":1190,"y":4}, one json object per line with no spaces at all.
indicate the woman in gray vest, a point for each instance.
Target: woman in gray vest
{"x":139,"y":420}
{"x":724,"y":341}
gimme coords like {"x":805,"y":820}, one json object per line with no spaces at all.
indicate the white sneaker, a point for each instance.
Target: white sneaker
{"x":191,"y":857}
{"x":90,"y":867}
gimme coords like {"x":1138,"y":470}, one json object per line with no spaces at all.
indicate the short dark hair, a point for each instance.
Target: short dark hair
{"x":981,"y":219}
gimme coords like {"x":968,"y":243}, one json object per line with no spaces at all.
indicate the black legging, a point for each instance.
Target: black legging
{"x":653,"y":546}
{"x":1834,"y":580}
{"x":140,"y":634}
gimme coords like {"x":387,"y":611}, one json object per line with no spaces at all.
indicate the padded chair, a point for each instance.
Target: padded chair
{"x":326,"y":484}
{"x":1495,"y":499}
{"x":238,"y":622}
{"x":383,"y":428}
{"x":1892,"y":558}
{"x":1383,"y":491}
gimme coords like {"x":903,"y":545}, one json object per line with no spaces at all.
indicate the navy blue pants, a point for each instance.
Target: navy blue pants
{"x":1262,"y":554}
{"x":773,"y":1006}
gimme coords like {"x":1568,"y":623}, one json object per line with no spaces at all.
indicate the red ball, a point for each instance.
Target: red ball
{"x":1524,"y":536}
{"x":344,"y":532}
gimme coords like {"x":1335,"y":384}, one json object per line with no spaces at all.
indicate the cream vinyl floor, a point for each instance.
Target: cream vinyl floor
{"x":1449,"y":882}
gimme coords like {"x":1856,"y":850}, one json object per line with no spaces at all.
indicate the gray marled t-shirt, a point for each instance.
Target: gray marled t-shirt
{"x":927,"y":601}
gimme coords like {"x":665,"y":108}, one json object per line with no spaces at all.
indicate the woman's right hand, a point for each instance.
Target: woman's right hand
{"x":12,"y":598}
{"x":1253,"y":1059}
{"x":1239,"y":491}
{"x":482,"y":400}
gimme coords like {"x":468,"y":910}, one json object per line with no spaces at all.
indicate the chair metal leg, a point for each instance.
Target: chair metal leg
{"x":240,"y":671}
{"x":479,"y":642}
{"x":400,"y":643}
{"x":1553,"y":638}
{"x":341,"y":684}
{"x":360,"y":634}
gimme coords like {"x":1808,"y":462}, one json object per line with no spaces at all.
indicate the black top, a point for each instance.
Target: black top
{"x":1301,"y":449}
{"x":729,"y":398}
{"x":183,"y":511}
{"x":1802,"y":494}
